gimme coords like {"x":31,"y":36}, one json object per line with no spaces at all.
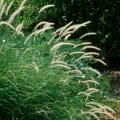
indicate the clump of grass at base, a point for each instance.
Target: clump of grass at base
{"x":41,"y":79}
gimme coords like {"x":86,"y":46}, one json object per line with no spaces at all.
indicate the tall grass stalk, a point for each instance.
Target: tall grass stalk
{"x":46,"y":79}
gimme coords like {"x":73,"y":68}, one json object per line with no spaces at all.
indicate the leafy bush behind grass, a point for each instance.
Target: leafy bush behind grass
{"x":40,"y":78}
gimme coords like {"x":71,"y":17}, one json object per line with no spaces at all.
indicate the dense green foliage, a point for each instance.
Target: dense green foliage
{"x":44,"y":75}
{"x":31,"y":90}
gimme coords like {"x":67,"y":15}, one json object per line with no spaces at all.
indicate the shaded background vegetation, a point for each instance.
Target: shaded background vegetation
{"x":104,"y":14}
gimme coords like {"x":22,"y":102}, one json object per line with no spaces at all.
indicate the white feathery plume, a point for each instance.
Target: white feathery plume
{"x":40,"y":24}
{"x":92,"y":90}
{"x":12,"y":17}
{"x":8,"y":8}
{"x":23,"y":3}
{"x":67,"y":33}
{"x":2,"y":11}
{"x":61,"y":56}
{"x":92,"y":70}
{"x":59,"y":62}
{"x":62,"y":29}
{"x":58,"y":45}
{"x":35,"y":66}
{"x":21,"y":7}
{"x":45,"y":7}
{"x":98,"y":105}
{"x":91,"y":47}
{"x":75,"y":27}
{"x":99,"y":60}
{"x":90,"y":81}
{"x":91,"y":114}
{"x":49,"y":24}
{"x":67,"y":37}
{"x":44,"y":24}
{"x":52,"y":39}
{"x":87,"y":34}
{"x":92,"y":53}
{"x":19,"y":29}
{"x":77,"y":53}
{"x":85,"y":57}
{"x":27,"y":49}
{"x":77,"y":71}
{"x":6,"y":23}
{"x":41,"y":31}
{"x":61,"y":66}
{"x":1,"y":4}
{"x":59,"y":33}
{"x":82,"y":44}
{"x":88,"y":92}
{"x":29,"y":36}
